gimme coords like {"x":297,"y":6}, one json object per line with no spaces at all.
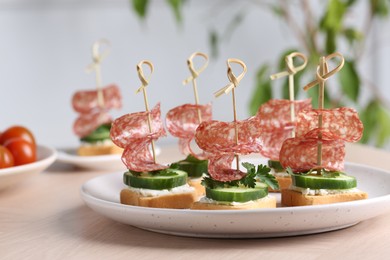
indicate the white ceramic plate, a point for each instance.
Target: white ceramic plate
{"x":98,"y":162}
{"x":13,"y":175}
{"x":102,"y":195}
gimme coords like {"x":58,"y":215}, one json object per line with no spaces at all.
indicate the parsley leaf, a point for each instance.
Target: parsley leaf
{"x":263,"y":174}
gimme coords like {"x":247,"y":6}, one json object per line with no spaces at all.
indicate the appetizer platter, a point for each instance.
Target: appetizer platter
{"x":304,"y":143}
{"x":102,"y":195}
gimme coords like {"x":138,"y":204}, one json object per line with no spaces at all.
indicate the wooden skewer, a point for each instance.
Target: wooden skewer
{"x":194,"y":74}
{"x":97,"y":59}
{"x":322,"y":75}
{"x":290,"y":72}
{"x":144,"y":84}
{"x":234,"y":81}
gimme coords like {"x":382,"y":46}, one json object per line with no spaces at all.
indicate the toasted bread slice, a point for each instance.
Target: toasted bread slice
{"x":173,"y":201}
{"x":295,"y":198}
{"x":91,"y":150}
{"x":266,"y":202}
{"x":284,"y":183}
{"x":196,"y":183}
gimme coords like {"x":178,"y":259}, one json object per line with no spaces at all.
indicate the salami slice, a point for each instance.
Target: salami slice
{"x":275,"y":119}
{"x":342,"y":122}
{"x":85,"y":124}
{"x":219,"y":137}
{"x":273,"y":140}
{"x":137,"y":156}
{"x":130,"y":127}
{"x":131,"y":132}
{"x":276,"y":113}
{"x":220,"y":168}
{"x":300,"y":153}
{"x":182,"y":122}
{"x":86,"y":101}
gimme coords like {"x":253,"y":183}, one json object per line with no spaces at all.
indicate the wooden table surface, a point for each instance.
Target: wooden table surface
{"x":45,"y":218}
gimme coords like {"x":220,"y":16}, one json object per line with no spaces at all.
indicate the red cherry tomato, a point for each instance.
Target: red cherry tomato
{"x":17,"y":132}
{"x":6,"y":158}
{"x":23,"y":151}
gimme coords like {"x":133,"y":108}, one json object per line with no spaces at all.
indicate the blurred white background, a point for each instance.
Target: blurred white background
{"x":46,"y":45}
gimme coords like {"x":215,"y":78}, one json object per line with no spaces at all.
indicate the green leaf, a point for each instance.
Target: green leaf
{"x":352,"y":35}
{"x":140,"y":7}
{"x":176,"y":6}
{"x":349,"y":80}
{"x":379,"y":8}
{"x":249,"y":167}
{"x":384,"y":127}
{"x":330,"y":41}
{"x":369,"y":118}
{"x":334,"y":15}
{"x":263,"y":174}
{"x":376,"y":121}
{"x":249,"y":179}
{"x":263,"y":90}
{"x":214,"y":41}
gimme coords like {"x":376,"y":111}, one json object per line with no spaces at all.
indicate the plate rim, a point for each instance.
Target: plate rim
{"x":93,"y":201}
{"x":52,"y":156}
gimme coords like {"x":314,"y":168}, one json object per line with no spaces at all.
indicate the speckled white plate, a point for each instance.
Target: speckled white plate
{"x":13,"y":175}
{"x":102,"y":195}
{"x":98,"y":162}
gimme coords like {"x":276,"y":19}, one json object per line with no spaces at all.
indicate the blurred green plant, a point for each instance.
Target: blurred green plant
{"x":317,"y":33}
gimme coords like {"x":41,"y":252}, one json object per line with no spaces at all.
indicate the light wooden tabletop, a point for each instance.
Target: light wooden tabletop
{"x":45,"y":218}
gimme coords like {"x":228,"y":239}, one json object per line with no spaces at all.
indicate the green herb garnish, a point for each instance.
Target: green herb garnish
{"x":262,"y":173}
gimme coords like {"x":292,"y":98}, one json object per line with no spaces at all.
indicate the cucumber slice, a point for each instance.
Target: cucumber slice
{"x":275,"y":165}
{"x":317,"y":182}
{"x":156,"y":181}
{"x":238,"y":194}
{"x":193,"y":166}
{"x":99,"y":134}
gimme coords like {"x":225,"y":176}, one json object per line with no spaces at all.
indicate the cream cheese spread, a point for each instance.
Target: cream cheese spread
{"x":308,"y":191}
{"x":155,"y":193}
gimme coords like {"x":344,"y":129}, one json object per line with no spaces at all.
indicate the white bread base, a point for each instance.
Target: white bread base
{"x":295,"y":198}
{"x":284,"y":183}
{"x":91,"y":150}
{"x":172,"y":201}
{"x":196,"y":184}
{"x":266,"y":202}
